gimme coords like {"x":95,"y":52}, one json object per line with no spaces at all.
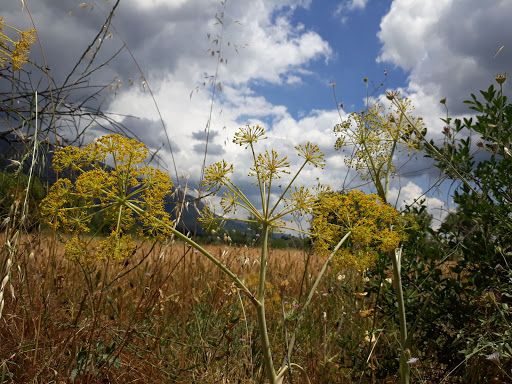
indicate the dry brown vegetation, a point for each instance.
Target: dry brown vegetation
{"x":164,"y":315}
{"x":168,"y":315}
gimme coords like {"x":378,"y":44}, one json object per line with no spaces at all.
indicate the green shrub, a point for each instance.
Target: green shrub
{"x":13,"y":189}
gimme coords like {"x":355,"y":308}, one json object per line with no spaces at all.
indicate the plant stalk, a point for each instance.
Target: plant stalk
{"x":405,"y":371}
{"x":262,"y":322}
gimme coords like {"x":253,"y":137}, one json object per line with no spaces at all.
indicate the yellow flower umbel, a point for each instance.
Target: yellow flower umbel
{"x":368,"y":219}
{"x":376,"y":136}
{"x":267,"y":168}
{"x":15,"y":51}
{"x":127,"y":193}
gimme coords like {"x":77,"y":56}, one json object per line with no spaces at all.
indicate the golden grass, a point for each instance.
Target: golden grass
{"x":167,"y":314}
{"x":171,"y":314}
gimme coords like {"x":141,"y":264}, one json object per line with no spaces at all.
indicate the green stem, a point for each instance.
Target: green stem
{"x":388,"y":172}
{"x":262,"y":322}
{"x":374,"y":171}
{"x":248,"y":205}
{"x":410,"y":332}
{"x":32,"y":165}
{"x":268,"y":188}
{"x":404,"y":367}
{"x":287,"y":188}
{"x":258,"y":176}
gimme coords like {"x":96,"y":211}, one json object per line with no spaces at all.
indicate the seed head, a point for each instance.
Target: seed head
{"x":494,"y":357}
{"x":413,"y":361}
{"x":284,"y":286}
{"x":390,"y":95}
{"x":500,"y":78}
{"x":443,"y":100}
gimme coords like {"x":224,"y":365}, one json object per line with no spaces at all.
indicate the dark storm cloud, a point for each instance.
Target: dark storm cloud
{"x":213,"y":149}
{"x":150,"y":132}
{"x":64,"y":37}
{"x":158,"y":37}
{"x":202,"y":135}
{"x":170,"y":45}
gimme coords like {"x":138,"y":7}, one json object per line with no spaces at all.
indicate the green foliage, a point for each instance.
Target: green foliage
{"x":481,"y":227}
{"x":457,"y":280}
{"x":13,"y":189}
{"x":480,"y":231}
{"x":92,"y":362}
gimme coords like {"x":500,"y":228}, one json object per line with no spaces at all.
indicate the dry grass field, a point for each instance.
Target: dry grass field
{"x":165,"y":315}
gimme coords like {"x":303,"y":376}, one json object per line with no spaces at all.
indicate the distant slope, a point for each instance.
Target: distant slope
{"x":190,"y":215}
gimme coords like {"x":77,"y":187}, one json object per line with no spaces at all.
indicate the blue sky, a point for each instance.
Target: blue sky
{"x":281,"y":79}
{"x":352,"y":38}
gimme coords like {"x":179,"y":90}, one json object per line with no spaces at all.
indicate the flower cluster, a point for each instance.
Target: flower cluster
{"x":269,"y":166}
{"x":367,"y":131}
{"x":367,"y":217}
{"x":312,"y":154}
{"x":15,"y":51}
{"x":266,"y":169}
{"x":376,"y":135}
{"x":249,"y":135}
{"x":126,"y":195}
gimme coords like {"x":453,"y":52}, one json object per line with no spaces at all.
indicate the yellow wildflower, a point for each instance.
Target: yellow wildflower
{"x":126,"y":194}
{"x":367,"y":217}
{"x":15,"y":51}
{"x":249,"y":135}
{"x":266,"y":169}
